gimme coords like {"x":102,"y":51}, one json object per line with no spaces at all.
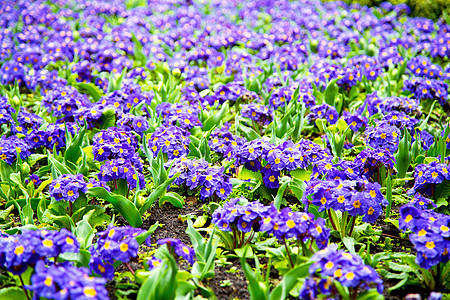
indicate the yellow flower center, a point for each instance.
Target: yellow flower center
{"x":90,"y":292}
{"x":48,"y":281}
{"x":290,"y":224}
{"x":124,"y":247}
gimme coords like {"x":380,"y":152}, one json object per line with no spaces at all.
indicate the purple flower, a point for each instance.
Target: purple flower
{"x":68,"y":187}
{"x":178,"y":249}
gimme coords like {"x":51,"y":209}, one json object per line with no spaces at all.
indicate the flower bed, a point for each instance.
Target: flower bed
{"x":223,"y":150}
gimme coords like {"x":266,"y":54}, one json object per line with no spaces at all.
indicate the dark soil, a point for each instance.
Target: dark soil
{"x":228,"y":284}
{"x":170,"y":217}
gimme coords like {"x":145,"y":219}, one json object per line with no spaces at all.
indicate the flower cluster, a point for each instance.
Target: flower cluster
{"x":119,"y":168}
{"x":422,"y":66}
{"x":237,"y":216}
{"x":280,"y":97}
{"x":375,"y":104}
{"x":152,"y":263}
{"x":19,"y":251}
{"x":198,"y":174}
{"x":354,"y":121}
{"x":370,"y":161}
{"x":323,"y":111}
{"x":11,"y":147}
{"x":184,"y":116}
{"x":234,"y":216}
{"x":178,"y":249}
{"x":224,"y":142}
{"x":118,"y":149}
{"x":400,"y":120}
{"x":383,"y":136}
{"x":129,"y":122}
{"x":431,"y":234}
{"x":68,"y":187}
{"x":428,"y":176}
{"x":331,"y":266}
{"x":64,"y":100}
{"x":171,"y":140}
{"x":54,"y":135}
{"x":358,"y":198}
{"x":270,"y":160}
{"x":66,"y":281}
{"x":286,"y":224}
{"x":34,"y":180}
{"x":421,"y":202}
{"x":114,"y":244}
{"x":114,"y":143}
{"x":257,"y":112}
{"x":426,"y":88}
{"x":367,"y":66}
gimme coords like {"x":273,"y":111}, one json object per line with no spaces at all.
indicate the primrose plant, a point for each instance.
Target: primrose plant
{"x":238,"y":223}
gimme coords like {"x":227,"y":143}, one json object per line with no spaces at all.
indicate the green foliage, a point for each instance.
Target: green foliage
{"x":124,"y":206}
{"x":432,"y":9}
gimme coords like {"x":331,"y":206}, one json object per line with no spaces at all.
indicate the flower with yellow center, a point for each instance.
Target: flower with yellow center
{"x":124,"y":247}
{"x":48,"y":281}
{"x":89,"y":292}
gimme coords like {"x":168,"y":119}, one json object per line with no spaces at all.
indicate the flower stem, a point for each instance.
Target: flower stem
{"x":250,"y":238}
{"x":352,"y":226}
{"x":288,"y":252}
{"x":331,"y":220}
{"x":129,"y":268}
{"x":23,"y":287}
{"x":234,"y":238}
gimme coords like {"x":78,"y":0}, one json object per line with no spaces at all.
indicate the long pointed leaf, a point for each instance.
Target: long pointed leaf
{"x":122,"y":204}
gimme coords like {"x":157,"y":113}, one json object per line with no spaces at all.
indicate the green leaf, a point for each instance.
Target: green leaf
{"x":279,"y":198}
{"x":217,"y":117}
{"x":42,"y":206}
{"x":257,"y":288}
{"x":370,"y":295}
{"x":43,"y":185}
{"x":5,"y":171}
{"x":59,"y":167}
{"x":61,"y":221}
{"x":158,"y":192}
{"x":289,"y":281}
{"x":161,"y":282}
{"x":6,"y":212}
{"x":442,"y":190}
{"x":401,"y":71}
{"x":108,"y":118}
{"x":73,"y":149}
{"x":349,"y":243}
{"x":400,"y":268}
{"x":143,"y":236}
{"x":200,"y":221}
{"x":14,"y":292}
{"x":331,"y":92}
{"x":15,"y":177}
{"x":125,"y":207}
{"x":33,"y":158}
{"x":174,"y":198}
{"x":82,"y":257}
{"x":197,"y":240}
{"x":301,"y":174}
{"x":297,"y":186}
{"x":90,"y":89}
{"x":84,"y":231}
{"x":399,"y":284}
{"x":244,"y":252}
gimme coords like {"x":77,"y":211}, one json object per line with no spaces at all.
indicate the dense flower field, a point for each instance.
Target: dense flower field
{"x":250,"y":149}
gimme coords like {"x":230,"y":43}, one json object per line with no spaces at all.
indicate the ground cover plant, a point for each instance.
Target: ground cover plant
{"x":223,"y":150}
